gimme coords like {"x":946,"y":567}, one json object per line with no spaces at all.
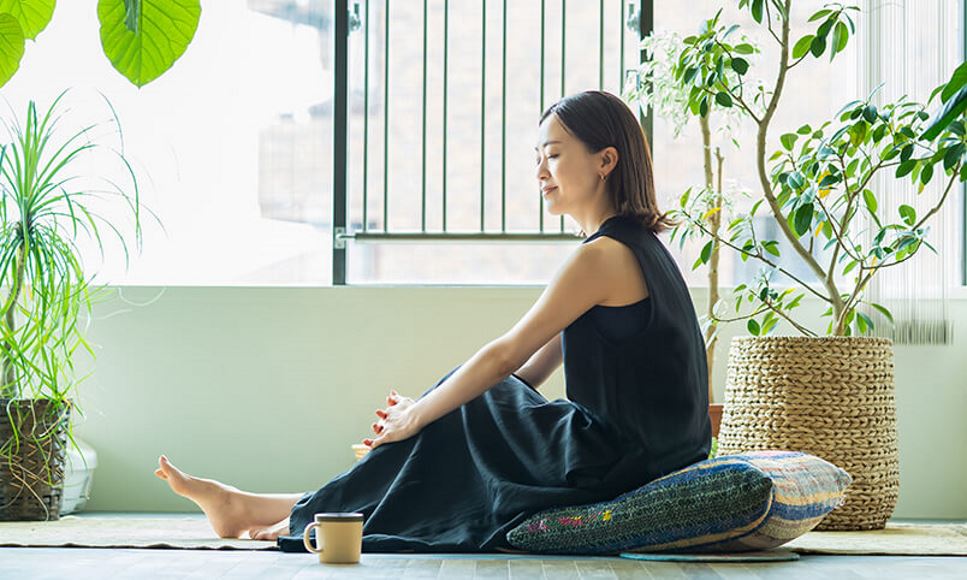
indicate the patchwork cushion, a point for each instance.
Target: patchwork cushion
{"x":731,"y":503}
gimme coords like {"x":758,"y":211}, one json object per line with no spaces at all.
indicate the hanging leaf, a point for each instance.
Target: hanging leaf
{"x":11,"y":47}
{"x":740,"y":65}
{"x":956,"y":82}
{"x":143,"y":38}
{"x":908,"y":214}
{"x":817,"y":46}
{"x":753,"y":327}
{"x":802,"y":46}
{"x":33,"y":15}
{"x":884,"y":312}
{"x":723,"y":98}
{"x":804,"y":219}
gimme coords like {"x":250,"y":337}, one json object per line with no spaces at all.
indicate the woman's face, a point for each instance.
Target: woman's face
{"x":568,"y":175}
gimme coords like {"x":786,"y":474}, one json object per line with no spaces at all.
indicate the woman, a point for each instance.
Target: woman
{"x":482,"y":450}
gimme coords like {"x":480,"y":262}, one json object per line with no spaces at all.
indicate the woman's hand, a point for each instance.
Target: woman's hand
{"x":396,"y":422}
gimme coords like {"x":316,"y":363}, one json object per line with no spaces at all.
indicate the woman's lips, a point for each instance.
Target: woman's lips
{"x":546,"y":191}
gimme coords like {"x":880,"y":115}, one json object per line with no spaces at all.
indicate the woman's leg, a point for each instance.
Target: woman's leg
{"x":231,"y":511}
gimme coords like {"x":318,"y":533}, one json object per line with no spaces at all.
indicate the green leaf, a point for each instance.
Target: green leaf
{"x":703,"y":106}
{"x":740,"y":65}
{"x":757,"y":7}
{"x":840,"y":38}
{"x":788,"y":140}
{"x":33,"y":15}
{"x":753,"y":327}
{"x":884,"y":312}
{"x":870,"y":200}
{"x":772,"y":247}
{"x":951,"y":110}
{"x":821,"y":14}
{"x":863,"y":320}
{"x":143,"y":38}
{"x":952,"y":156}
{"x":905,"y":168}
{"x":804,"y":218}
{"x":707,"y":252}
{"x":817,"y":46}
{"x":743,"y":48}
{"x":956,"y":82}
{"x":723,"y":99}
{"x":802,"y":46}
{"x":908,"y":214}
{"x":926,"y":174}
{"x":11,"y":47}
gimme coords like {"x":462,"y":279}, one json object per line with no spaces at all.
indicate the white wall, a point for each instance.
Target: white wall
{"x":266,"y":388}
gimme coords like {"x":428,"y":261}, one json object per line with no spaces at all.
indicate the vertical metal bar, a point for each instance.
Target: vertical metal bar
{"x":340,"y":158}
{"x":366,"y":116}
{"x":503,"y":122}
{"x":600,"y":45}
{"x":646,"y":24}
{"x":541,"y":112}
{"x":386,"y":117}
{"x":423,"y":156}
{"x":563,"y":61}
{"x":446,"y":53}
{"x":483,"y":102}
{"x":621,"y":58}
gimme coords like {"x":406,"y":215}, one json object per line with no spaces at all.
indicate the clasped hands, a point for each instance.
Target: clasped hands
{"x":396,"y":423}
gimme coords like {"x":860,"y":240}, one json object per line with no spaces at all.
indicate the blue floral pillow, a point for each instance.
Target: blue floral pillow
{"x":731,"y":503}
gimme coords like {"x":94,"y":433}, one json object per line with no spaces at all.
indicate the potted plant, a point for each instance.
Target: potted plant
{"x":45,"y":207}
{"x":829,"y":392}
{"x":657,"y":88}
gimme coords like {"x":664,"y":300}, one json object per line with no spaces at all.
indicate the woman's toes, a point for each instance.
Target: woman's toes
{"x":160,"y":473}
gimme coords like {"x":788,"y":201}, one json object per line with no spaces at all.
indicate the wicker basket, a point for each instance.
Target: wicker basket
{"x":832,"y":397}
{"x":32,"y":471}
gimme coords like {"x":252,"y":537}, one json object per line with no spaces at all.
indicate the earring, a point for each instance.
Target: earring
{"x":603,"y":177}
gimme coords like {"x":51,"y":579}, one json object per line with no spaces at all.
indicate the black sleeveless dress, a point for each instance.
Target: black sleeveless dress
{"x":636,"y":409}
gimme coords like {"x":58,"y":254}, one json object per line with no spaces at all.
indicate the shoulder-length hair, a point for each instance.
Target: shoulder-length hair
{"x":599,"y":119}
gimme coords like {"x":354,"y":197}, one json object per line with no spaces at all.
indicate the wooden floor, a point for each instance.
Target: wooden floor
{"x":84,"y":563}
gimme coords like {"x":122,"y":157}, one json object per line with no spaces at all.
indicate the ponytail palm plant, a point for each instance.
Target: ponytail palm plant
{"x":46,"y":205}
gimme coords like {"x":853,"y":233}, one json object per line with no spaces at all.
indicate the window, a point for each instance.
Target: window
{"x":231,"y":145}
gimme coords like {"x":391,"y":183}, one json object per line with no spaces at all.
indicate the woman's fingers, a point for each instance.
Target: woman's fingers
{"x":381,"y":413}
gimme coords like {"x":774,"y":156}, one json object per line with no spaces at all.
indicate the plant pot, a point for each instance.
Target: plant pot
{"x":715,"y":414}
{"x":832,"y":397}
{"x":32,"y":462}
{"x":78,"y":477}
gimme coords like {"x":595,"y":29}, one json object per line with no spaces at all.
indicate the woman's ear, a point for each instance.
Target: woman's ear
{"x":609,"y":159}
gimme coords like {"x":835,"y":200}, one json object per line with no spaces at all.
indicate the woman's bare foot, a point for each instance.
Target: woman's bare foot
{"x":270,"y":532}
{"x":220,"y":502}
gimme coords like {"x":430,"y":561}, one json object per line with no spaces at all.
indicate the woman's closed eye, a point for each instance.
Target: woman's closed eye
{"x":538,"y":162}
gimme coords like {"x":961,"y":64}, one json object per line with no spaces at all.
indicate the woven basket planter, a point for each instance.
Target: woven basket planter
{"x":832,"y":397}
{"x":32,"y":465}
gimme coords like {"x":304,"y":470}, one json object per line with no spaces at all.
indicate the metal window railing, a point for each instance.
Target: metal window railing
{"x":345,"y":22}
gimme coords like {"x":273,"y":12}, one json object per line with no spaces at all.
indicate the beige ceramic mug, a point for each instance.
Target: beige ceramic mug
{"x":339,"y":537}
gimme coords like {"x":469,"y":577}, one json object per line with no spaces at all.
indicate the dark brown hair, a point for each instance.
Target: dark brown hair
{"x":599,"y":119}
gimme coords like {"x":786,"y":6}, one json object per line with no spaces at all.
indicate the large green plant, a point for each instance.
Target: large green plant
{"x":141,"y":38}
{"x":818,"y":185}
{"x":657,"y":88}
{"x":47,"y":204}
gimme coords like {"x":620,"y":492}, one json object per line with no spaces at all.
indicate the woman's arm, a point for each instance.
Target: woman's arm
{"x":543,"y":364}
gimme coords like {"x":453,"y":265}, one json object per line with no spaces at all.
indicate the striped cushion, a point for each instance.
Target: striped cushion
{"x":731,"y":503}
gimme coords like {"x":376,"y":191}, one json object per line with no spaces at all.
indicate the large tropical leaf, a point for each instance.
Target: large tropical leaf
{"x":143,"y":38}
{"x":951,"y":110}
{"x":11,"y":47}
{"x":33,"y":15}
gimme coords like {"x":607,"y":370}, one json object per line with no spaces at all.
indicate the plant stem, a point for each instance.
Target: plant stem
{"x":833,"y":292}
{"x":10,"y":390}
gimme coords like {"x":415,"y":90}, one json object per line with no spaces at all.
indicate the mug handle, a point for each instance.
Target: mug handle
{"x":305,"y":538}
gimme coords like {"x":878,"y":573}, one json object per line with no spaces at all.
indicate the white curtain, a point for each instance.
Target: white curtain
{"x":911,"y":46}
